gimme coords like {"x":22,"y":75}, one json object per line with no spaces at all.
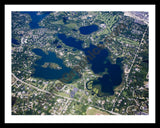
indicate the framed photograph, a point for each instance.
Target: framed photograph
{"x":80,"y":63}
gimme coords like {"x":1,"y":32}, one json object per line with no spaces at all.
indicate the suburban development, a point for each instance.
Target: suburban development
{"x":80,"y":63}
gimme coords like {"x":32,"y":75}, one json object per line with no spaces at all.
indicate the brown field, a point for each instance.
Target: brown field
{"x":94,"y":111}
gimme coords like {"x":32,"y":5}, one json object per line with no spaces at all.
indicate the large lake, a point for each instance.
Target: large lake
{"x":100,"y":62}
{"x":47,"y":73}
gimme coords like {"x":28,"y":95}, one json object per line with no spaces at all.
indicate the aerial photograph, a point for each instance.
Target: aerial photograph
{"x":80,"y":63}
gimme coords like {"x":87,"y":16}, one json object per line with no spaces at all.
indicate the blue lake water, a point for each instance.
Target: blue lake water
{"x":85,"y":30}
{"x":14,"y":41}
{"x":100,"y":42}
{"x":65,"y":20}
{"x":96,"y":57}
{"x":59,"y":46}
{"x":70,"y":41}
{"x":48,"y":73}
{"x":35,"y":18}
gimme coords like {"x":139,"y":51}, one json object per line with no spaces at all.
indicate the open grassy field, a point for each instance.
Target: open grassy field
{"x":127,"y":41}
{"x":57,"y":22}
{"x":94,"y":111}
{"x":71,"y":26}
{"x":109,"y":20}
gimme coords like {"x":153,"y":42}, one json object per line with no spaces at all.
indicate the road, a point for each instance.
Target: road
{"x":131,"y":67}
{"x":136,"y":55}
{"x":41,"y":90}
{"x":38,"y":89}
{"x":114,"y":113}
{"x":84,"y":82}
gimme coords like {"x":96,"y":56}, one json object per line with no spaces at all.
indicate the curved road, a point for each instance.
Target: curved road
{"x":38,"y":89}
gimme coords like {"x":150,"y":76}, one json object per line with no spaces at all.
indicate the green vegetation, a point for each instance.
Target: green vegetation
{"x":51,"y":65}
{"x":127,"y":41}
{"x":95,"y":90}
{"x":72,"y":26}
{"x":94,"y":111}
{"x":109,"y":19}
{"x":59,"y":22}
{"x":76,"y":108}
{"x":89,"y":85}
{"x":119,"y":34}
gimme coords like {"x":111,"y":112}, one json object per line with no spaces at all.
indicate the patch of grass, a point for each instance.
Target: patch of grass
{"x":63,"y":94}
{"x":71,"y":26}
{"x":56,"y":22}
{"x":94,"y":111}
{"x":109,"y":20}
{"x":127,"y":41}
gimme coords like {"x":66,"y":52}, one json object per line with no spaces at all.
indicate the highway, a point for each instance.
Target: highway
{"x":38,"y":89}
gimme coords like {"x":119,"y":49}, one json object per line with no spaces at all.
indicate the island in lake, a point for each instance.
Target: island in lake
{"x":51,"y":65}
{"x":60,"y":68}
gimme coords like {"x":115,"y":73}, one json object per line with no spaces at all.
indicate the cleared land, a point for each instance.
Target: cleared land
{"x":94,"y":111}
{"x":127,"y":41}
